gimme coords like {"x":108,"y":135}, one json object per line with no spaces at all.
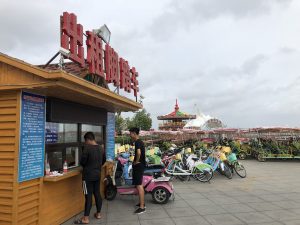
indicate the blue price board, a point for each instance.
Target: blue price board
{"x":110,"y":136}
{"x":32,"y":137}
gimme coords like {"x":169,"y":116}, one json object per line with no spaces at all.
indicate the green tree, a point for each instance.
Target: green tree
{"x":120,"y":124}
{"x":141,"y":119}
{"x":129,"y":123}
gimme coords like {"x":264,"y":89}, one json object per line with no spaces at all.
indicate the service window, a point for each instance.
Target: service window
{"x":59,"y":133}
{"x":97,"y":130}
{"x":64,"y":142}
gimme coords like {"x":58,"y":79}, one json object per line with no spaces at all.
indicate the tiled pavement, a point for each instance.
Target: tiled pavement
{"x":270,"y":195}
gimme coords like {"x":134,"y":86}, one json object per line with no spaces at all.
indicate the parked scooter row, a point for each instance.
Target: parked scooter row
{"x":223,"y":160}
{"x":201,"y":166}
{"x":174,"y":163}
{"x":183,"y":167}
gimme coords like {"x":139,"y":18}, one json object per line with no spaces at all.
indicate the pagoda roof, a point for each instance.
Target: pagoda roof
{"x":176,"y":114}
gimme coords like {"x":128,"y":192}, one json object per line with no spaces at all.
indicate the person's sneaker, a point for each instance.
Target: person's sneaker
{"x":140,"y":211}
{"x":138,"y":205}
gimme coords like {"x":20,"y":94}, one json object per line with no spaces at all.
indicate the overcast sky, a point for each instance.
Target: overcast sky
{"x":237,"y":60}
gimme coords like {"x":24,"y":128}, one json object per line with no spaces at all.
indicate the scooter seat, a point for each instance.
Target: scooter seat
{"x":155,"y":166}
{"x":148,"y":173}
{"x":153,"y":173}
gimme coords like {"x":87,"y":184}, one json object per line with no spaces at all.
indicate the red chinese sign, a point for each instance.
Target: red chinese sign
{"x":125,"y":80}
{"x":134,"y":81}
{"x":105,"y":64}
{"x":94,"y":54}
{"x":72,"y":37}
{"x":112,"y":66}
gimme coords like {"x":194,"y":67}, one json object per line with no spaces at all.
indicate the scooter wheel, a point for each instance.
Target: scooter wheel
{"x":110,"y":192}
{"x":160,"y":195}
{"x":242,"y":155}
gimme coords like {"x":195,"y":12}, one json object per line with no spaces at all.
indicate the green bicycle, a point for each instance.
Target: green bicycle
{"x":236,"y":166}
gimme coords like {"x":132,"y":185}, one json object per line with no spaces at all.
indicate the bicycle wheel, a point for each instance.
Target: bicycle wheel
{"x":195,"y":173}
{"x":260,"y":157}
{"x":240,"y":169}
{"x":227,"y":172}
{"x":204,"y":176}
{"x":181,"y":177}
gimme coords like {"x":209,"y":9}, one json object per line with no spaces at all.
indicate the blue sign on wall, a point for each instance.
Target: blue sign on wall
{"x":32,"y":137}
{"x":110,"y":136}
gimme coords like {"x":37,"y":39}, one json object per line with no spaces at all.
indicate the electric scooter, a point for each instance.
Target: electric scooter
{"x":159,"y":187}
{"x":124,"y":168}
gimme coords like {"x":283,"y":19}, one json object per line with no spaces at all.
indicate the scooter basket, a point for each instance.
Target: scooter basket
{"x":188,"y":151}
{"x":178,"y":156}
{"x":232,"y":157}
{"x":125,"y":155}
{"x":204,"y":167}
{"x":226,"y":149}
{"x":223,"y":156}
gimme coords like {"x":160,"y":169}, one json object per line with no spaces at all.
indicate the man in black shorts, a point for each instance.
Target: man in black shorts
{"x":138,"y":167}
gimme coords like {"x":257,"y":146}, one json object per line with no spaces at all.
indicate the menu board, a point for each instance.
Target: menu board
{"x":32,"y":137}
{"x":110,"y":136}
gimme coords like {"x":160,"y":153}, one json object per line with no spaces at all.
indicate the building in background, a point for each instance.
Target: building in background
{"x":175,"y":120}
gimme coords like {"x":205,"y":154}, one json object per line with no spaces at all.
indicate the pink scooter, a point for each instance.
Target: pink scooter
{"x":160,"y":187}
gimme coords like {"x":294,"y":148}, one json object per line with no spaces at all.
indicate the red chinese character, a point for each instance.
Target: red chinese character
{"x":72,"y":37}
{"x":134,"y":81}
{"x":111,"y":65}
{"x":125,"y":80}
{"x":94,"y":54}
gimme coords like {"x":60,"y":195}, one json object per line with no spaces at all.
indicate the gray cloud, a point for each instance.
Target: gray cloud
{"x":179,"y":16}
{"x":251,"y":67}
{"x":26,"y":26}
{"x":287,"y":50}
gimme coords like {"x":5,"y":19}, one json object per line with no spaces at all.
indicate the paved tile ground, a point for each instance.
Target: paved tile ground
{"x":270,"y":195}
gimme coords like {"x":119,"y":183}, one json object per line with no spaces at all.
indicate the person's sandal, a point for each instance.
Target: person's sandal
{"x":96,"y":216}
{"x":79,"y":221}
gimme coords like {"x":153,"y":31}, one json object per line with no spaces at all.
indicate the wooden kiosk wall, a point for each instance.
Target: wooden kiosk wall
{"x":19,"y":202}
{"x":9,"y":114}
{"x":35,"y":201}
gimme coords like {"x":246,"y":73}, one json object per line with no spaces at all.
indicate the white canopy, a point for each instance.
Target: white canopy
{"x":204,"y":122}
{"x":200,"y":120}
